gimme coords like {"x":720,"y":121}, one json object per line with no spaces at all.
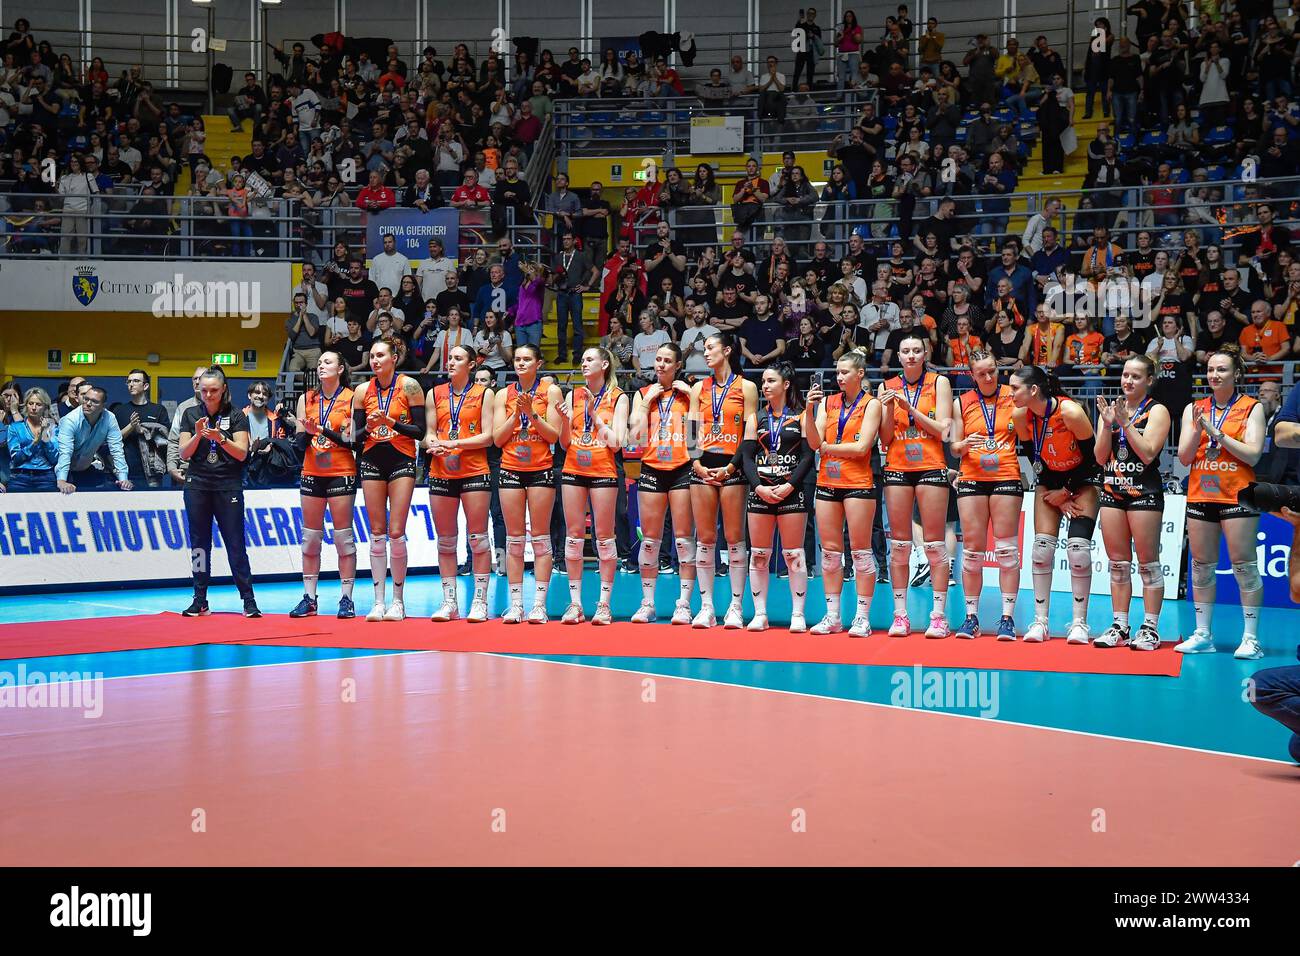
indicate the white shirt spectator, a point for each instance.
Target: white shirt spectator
{"x":588,"y":82}
{"x":131,"y":156}
{"x":1032,"y":240}
{"x":430,"y":276}
{"x":487,"y":178}
{"x":644,"y":347}
{"x":306,"y":109}
{"x":448,"y":156}
{"x":1215,"y":88}
{"x":399,"y":317}
{"x":693,"y":348}
{"x":1166,"y":350}
{"x":317,"y":311}
{"x":494,"y":352}
{"x":387,"y":270}
{"x":871,"y":313}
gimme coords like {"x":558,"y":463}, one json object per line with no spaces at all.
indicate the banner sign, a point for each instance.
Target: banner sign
{"x":413,"y":229}
{"x":120,"y":537}
{"x":1272,"y":551}
{"x":174,"y":289}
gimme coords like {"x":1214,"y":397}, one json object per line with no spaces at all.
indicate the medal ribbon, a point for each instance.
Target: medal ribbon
{"x":1040,"y":438}
{"x":775,"y":424}
{"x":589,"y":408}
{"x":716,"y":401}
{"x":326,"y":409}
{"x":379,"y":395}
{"x":523,"y":416}
{"x":453,"y":406}
{"x":846,"y":414}
{"x":666,"y":414}
{"x":990,"y":415}
{"x":1133,"y":420}
{"x":1218,"y":423}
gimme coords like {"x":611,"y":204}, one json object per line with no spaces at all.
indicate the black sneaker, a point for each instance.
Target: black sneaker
{"x":198,"y":608}
{"x":466,"y":568}
{"x":250,"y":608}
{"x":306,"y":608}
{"x":665,"y":564}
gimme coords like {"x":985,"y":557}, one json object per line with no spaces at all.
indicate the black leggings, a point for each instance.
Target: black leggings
{"x":227,"y":507}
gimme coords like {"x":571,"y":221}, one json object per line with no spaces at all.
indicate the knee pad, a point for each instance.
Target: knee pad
{"x":478,"y":544}
{"x":685,"y":550}
{"x":972,"y":562}
{"x":541,"y":545}
{"x":864,"y":562}
{"x":379,"y":545}
{"x":345,"y":541}
{"x":760,"y":559}
{"x":1079,"y":553}
{"x":704,"y":555}
{"x":1081,"y":527}
{"x":795,"y":559}
{"x":573,"y":549}
{"x":397,"y":544}
{"x":1247,"y":575}
{"x":606,"y":549}
{"x":1153,"y":574}
{"x":735,"y":555}
{"x":1044,"y":550}
{"x":311,"y":542}
{"x":650,"y":552}
{"x":515,"y":545}
{"x":1007,"y":553}
{"x":1121,"y":572}
{"x":1203,"y":573}
{"x":900,"y":550}
{"x":447,"y":544}
{"x":936,"y":551}
{"x":832,"y":561}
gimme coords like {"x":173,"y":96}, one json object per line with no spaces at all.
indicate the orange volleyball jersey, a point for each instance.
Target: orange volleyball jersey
{"x":1217,"y":475}
{"x":911,"y":448}
{"x":463,"y":463}
{"x":1060,"y":448}
{"x":399,"y":409}
{"x":586,"y":455}
{"x":527,"y":451}
{"x":835,"y":471}
{"x":984,"y":461}
{"x":724,"y":435}
{"x":1042,"y":341}
{"x":325,"y":459}
{"x":665,"y":446}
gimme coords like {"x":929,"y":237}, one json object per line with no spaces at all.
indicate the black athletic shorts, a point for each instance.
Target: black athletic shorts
{"x":845,"y":494}
{"x":1147,"y":501}
{"x":1218,"y":511}
{"x":1074,"y":480}
{"x":455,"y":487}
{"x":328,"y":486}
{"x":932,"y":476}
{"x":538,"y":478}
{"x":794,"y":503}
{"x":386,"y":463}
{"x":588,"y":481}
{"x":969,"y":488}
{"x":661,"y":481}
{"x":717,"y":459}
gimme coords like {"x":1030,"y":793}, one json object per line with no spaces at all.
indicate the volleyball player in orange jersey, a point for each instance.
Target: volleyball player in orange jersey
{"x":915,"y":419}
{"x":725,"y":405}
{"x":459,"y":416}
{"x":776,"y":481}
{"x":844,"y":429}
{"x":388,"y":415}
{"x":593,"y":424}
{"x":329,"y":478}
{"x":989,"y":491}
{"x":1131,"y":434}
{"x":658,"y":424}
{"x":1065,"y":464}
{"x":527,"y":424}
{"x":1222,"y":439}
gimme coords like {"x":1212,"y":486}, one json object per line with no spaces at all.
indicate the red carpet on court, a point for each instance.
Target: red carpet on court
{"x":618,"y":640}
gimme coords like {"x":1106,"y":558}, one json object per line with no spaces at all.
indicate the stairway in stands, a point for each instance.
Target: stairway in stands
{"x":220,"y":145}
{"x":1076,"y":167}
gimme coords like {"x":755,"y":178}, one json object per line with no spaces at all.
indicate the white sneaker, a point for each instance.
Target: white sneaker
{"x":861,"y":627}
{"x":478,"y":612}
{"x":396,"y":612}
{"x":797,"y":624}
{"x":645,"y":614}
{"x":573,"y":615}
{"x":758,"y":623}
{"x":1248,"y":650}
{"x":682,"y":613}
{"x":1117,"y":635}
{"x":538,"y":614}
{"x":827,"y":625}
{"x":706,"y":618}
{"x":376,"y":613}
{"x":448,"y":612}
{"x":939,"y":626}
{"x":1199,"y":643}
{"x":901,"y":626}
{"x":1078,"y":633}
{"x":1037,"y":633}
{"x":734,"y":619}
{"x":513,"y":616}
{"x":603,"y":616}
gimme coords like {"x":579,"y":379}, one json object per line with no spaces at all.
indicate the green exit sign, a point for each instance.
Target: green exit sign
{"x":82,"y":358}
{"x":224,"y":358}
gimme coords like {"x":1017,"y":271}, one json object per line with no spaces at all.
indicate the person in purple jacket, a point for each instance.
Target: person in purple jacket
{"x":528,"y":313}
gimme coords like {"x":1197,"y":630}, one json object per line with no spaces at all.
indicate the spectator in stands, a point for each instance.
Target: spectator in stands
{"x":81,"y":434}
{"x":996,"y":185}
{"x":619,"y":343}
{"x":1215,"y":336}
{"x":611,"y":73}
{"x":527,"y":127}
{"x":495,"y":295}
{"x":472,"y":200}
{"x":1265,"y":340}
{"x":388,"y":267}
{"x":1172,"y":351}
{"x":422,"y":194}
{"x":1265,"y":243}
{"x":358,"y":290}
{"x":772,"y":88}
{"x":493,"y":343}
{"x":1044,"y":340}
{"x":981,"y":79}
{"x":565,"y":207}
{"x":376,"y":196}
{"x":250,"y":101}
{"x":384,"y":305}
{"x":1006,"y":341}
{"x":796,"y":200}
{"x":762,"y":340}
{"x":432,"y":270}
{"x":304,"y":333}
{"x":587,"y":82}
{"x":1125,"y":85}
{"x":739,"y":78}
{"x":714,"y":90}
{"x":646,"y":343}
{"x":531,"y":295}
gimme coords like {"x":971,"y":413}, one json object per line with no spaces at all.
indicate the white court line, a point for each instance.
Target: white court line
{"x":115,"y":607}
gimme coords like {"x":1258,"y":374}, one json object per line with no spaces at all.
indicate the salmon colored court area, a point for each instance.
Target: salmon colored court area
{"x":472,"y":759}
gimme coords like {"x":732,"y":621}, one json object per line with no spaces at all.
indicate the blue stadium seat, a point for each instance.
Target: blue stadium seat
{"x":1006,"y":115}
{"x":1154,"y":137}
{"x":659,"y":132}
{"x":1180,"y":175}
{"x":1126,"y":141}
{"x":1217,"y":172}
{"x":606,"y":132}
{"x":1218,"y":134}
{"x":600,"y":118}
{"x":682,"y":116}
{"x":962,"y":133}
{"x":630,"y":132}
{"x":830,"y":126}
{"x":653,"y":116}
{"x":890,"y":123}
{"x":581,"y":132}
